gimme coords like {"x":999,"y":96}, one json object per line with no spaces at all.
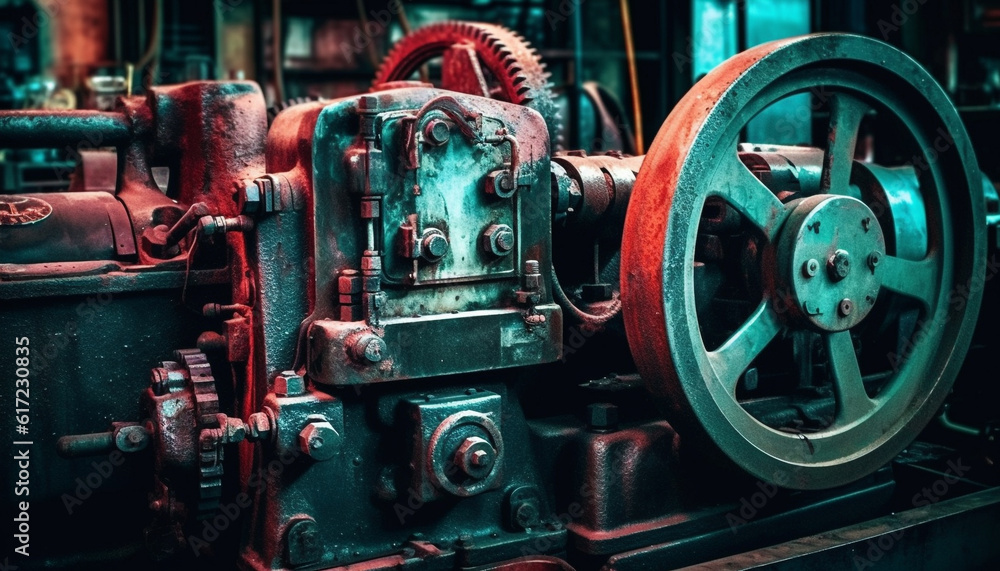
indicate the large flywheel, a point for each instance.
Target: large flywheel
{"x":852,"y":328}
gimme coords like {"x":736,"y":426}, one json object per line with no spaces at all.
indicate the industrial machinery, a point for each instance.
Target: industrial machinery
{"x":402,"y":330}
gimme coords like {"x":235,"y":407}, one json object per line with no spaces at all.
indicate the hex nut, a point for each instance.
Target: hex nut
{"x":248,"y":196}
{"x":500,"y":184}
{"x":475,"y":457}
{"x":319,"y":440}
{"x":259,"y":426}
{"x":433,"y":245}
{"x":289,"y":384}
{"x":437,"y":132}
{"x":498,"y":240}
{"x":602,"y":416}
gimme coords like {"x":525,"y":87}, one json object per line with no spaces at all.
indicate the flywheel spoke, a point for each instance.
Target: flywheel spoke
{"x":747,"y":194}
{"x":735,"y":355}
{"x":852,"y":400}
{"x":918,"y":280}
{"x":846,"y":113}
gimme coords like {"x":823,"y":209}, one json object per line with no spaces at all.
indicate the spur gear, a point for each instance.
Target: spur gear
{"x":478,"y":59}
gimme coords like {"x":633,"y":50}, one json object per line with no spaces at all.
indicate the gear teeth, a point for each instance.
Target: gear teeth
{"x":514,"y":62}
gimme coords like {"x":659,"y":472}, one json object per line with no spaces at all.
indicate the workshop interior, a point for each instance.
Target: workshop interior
{"x":499,"y":285}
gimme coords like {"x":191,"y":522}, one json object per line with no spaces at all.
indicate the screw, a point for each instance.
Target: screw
{"x":289,"y":384}
{"x":437,"y":132}
{"x":810,"y":268}
{"x":498,"y":240}
{"x":866,"y":223}
{"x":873,"y":260}
{"x":846,"y":306}
{"x":839,"y":265}
{"x":369,"y":349}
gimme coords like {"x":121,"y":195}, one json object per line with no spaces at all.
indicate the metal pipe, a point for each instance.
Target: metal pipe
{"x":83,"y":445}
{"x":277,"y":53}
{"x":577,"y":91}
{"x":73,"y":128}
{"x":633,"y":75}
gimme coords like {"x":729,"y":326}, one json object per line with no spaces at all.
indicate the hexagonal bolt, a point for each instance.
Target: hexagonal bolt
{"x":289,"y":384}
{"x":498,"y":240}
{"x":234,"y":430}
{"x":602,"y":417}
{"x":845,"y":307}
{"x":475,"y":457}
{"x":874,"y":259}
{"x":437,"y":132}
{"x":433,"y":245}
{"x":369,"y":349}
{"x":839,"y":265}
{"x":319,"y":440}
{"x":501,"y":184}
{"x":259,"y":427}
{"x":249,"y":196}
{"x":810,"y":267}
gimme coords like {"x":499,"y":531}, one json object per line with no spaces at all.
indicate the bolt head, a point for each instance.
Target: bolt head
{"x":259,"y":426}
{"x":501,"y":184}
{"x":434,"y":245}
{"x":845,"y":307}
{"x":437,"y":132}
{"x":874,"y":259}
{"x":475,"y":457}
{"x":289,"y":384}
{"x":369,"y":349}
{"x":839,"y":265}
{"x":810,"y":268}
{"x":498,"y":240}
{"x":319,"y":440}
{"x":602,"y":416}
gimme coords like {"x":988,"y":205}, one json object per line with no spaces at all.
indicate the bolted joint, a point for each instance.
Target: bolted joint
{"x":131,"y":437}
{"x":289,"y":384}
{"x":319,"y":440}
{"x":437,"y":132}
{"x":260,"y":426}
{"x":839,"y":265}
{"x":433,"y":245}
{"x":501,"y":184}
{"x":368,"y":349}
{"x":602,"y":417}
{"x":498,"y":240}
{"x":475,"y":456}
{"x":234,"y":430}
